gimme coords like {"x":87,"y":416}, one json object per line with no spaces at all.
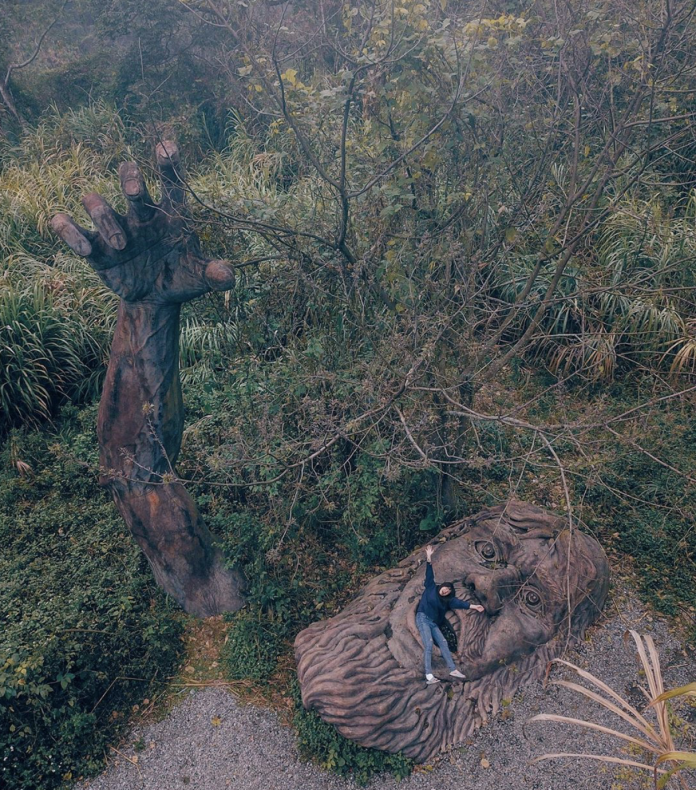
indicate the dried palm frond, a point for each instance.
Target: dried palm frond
{"x":654,"y":738}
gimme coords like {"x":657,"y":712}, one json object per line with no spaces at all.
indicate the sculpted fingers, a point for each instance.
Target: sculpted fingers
{"x":219,"y":275}
{"x":171,"y":175}
{"x":106,"y":220}
{"x":77,"y":238}
{"x":135,"y":190}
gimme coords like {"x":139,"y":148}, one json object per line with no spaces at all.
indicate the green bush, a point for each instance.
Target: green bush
{"x":646,"y":510}
{"x":252,"y":648}
{"x":322,"y":743}
{"x":85,"y":630}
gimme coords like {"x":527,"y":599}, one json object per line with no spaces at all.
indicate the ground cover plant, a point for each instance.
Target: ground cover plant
{"x":85,"y":631}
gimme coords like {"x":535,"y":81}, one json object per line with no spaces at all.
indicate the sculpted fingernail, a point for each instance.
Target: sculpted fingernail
{"x":167,"y":152}
{"x":132,"y":187}
{"x":117,"y":241}
{"x":220,"y":275}
{"x":63,"y":226}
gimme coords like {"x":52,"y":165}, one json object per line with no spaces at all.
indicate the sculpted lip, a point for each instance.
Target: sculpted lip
{"x":472,"y":632}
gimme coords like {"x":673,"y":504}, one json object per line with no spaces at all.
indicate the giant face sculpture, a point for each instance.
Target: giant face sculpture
{"x":362,"y":670}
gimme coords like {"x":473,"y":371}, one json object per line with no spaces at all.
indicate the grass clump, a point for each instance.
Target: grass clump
{"x":252,"y":648}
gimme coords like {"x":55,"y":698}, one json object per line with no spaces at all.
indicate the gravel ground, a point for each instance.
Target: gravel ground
{"x":210,"y":742}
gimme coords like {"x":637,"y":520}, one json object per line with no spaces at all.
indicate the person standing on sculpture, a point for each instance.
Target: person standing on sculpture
{"x":436,"y":600}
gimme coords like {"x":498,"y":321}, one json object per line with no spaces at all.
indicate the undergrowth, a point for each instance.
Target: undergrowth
{"x":321,"y":742}
{"x":282,"y":370}
{"x":85,"y":629}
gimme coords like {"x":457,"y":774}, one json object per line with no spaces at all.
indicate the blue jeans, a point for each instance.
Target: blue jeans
{"x":429,"y":631}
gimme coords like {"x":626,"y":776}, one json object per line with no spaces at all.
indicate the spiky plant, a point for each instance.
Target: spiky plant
{"x":632,"y":304}
{"x":39,"y":358}
{"x":55,"y":329}
{"x":653,"y":737}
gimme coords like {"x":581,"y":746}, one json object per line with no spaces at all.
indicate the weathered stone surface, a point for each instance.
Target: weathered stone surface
{"x":152,"y":260}
{"x":362,"y":670}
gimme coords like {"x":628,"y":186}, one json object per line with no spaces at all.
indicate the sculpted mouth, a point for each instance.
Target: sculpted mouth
{"x":472,"y":630}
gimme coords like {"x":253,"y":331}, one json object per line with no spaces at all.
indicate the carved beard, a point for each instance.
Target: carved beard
{"x":362,"y":670}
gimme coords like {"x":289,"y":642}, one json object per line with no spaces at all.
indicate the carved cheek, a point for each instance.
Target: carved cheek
{"x":512,"y":635}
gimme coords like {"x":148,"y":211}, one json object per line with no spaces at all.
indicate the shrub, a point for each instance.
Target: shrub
{"x":252,"y":648}
{"x":85,"y":630}
{"x":322,"y":742}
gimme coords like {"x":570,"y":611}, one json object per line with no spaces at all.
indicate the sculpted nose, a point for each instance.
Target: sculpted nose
{"x":490,"y":588}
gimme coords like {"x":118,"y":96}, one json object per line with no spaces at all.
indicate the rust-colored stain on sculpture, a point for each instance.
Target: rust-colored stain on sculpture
{"x":540,"y":585}
{"x":152,"y":260}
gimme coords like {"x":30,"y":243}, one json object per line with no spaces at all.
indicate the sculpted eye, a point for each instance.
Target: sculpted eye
{"x":487,"y":550}
{"x":531,"y":598}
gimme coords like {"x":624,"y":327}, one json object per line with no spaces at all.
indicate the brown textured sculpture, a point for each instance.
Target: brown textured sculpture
{"x":362,"y":670}
{"x":152,"y":261}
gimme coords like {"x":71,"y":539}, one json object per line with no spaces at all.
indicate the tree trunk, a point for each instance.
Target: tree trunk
{"x":8,"y":101}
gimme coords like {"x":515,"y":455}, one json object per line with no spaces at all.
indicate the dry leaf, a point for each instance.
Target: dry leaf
{"x":216,"y":721}
{"x":485,"y":763}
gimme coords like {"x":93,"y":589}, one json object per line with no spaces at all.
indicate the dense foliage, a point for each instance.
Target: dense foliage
{"x":85,"y":630}
{"x":467,"y":271}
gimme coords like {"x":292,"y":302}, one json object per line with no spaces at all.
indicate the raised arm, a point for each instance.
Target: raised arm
{"x":457,"y":603}
{"x":429,"y":575}
{"x":151,"y":258}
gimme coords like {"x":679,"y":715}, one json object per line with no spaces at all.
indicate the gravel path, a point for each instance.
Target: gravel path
{"x":210,"y":742}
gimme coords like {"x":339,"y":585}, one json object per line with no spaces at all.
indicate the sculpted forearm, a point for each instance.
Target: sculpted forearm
{"x":141,"y":411}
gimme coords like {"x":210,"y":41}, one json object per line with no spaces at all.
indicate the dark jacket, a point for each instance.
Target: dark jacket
{"x":432,"y":604}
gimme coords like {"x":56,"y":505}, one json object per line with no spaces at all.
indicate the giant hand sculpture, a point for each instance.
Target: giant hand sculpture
{"x":540,"y":586}
{"x":152,"y":260}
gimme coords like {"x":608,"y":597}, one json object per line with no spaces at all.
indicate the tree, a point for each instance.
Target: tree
{"x":11,"y":67}
{"x":454,"y":170}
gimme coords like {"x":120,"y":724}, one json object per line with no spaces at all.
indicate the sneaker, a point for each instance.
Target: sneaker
{"x":430,"y":679}
{"x":455,"y":673}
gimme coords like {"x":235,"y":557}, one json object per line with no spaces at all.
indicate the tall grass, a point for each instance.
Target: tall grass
{"x":631,"y":304}
{"x":56,"y":317}
{"x":55,"y":323}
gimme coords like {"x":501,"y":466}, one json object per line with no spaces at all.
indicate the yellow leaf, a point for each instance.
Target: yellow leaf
{"x":290,"y":76}
{"x":683,"y":691}
{"x":485,"y":763}
{"x":688,"y":758}
{"x":216,"y":721}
